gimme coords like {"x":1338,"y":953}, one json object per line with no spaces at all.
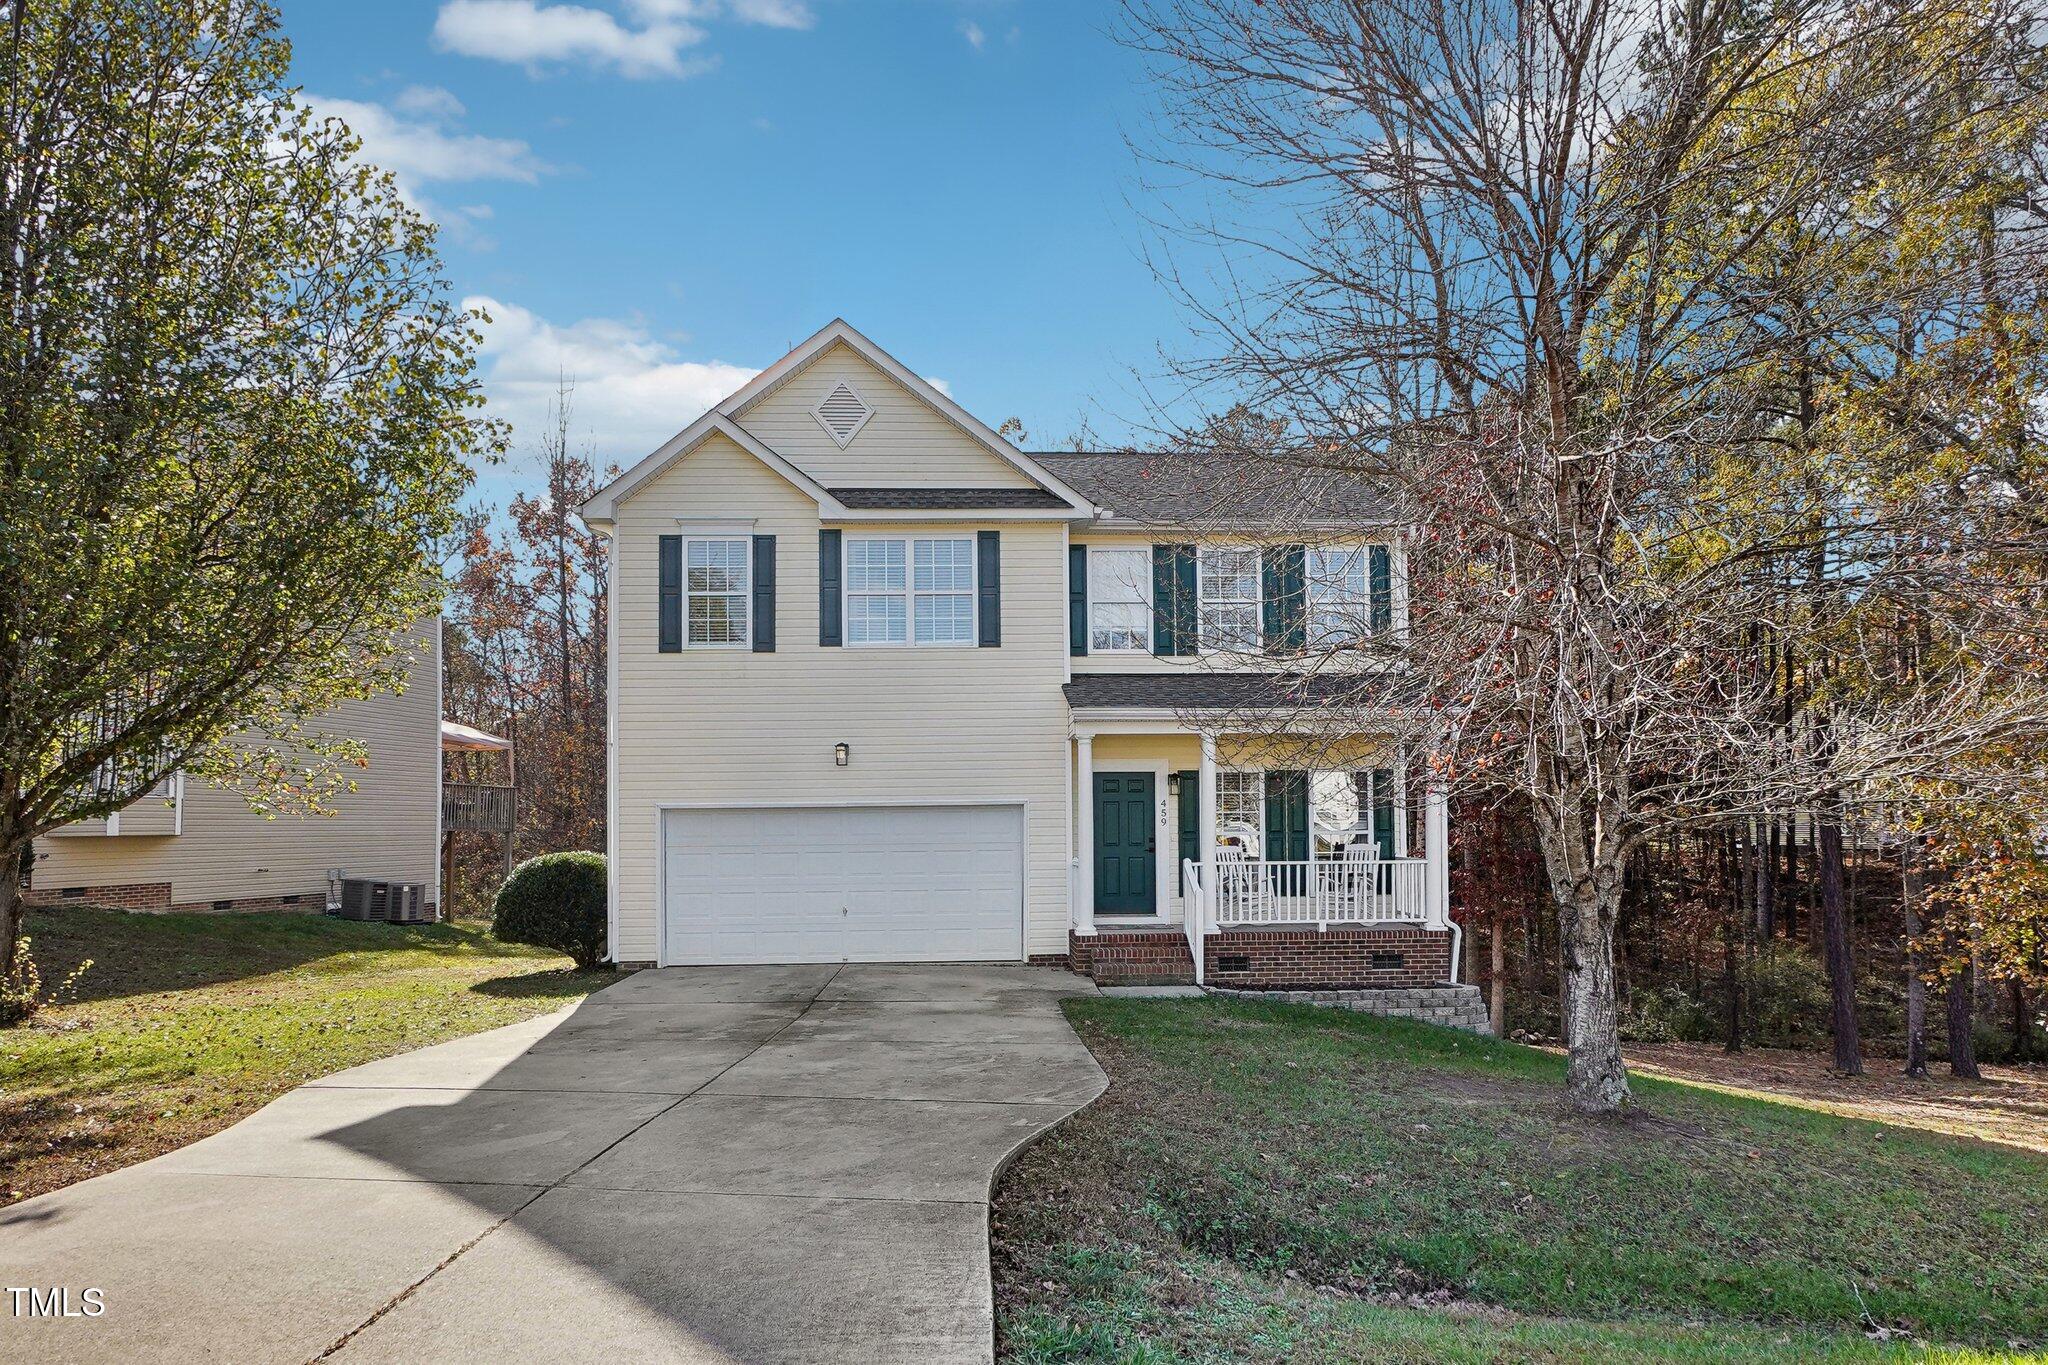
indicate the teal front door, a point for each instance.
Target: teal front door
{"x":1125,"y":857}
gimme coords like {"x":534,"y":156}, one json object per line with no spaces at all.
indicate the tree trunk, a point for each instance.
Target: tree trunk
{"x":1595,"y":1079}
{"x":1911,"y":884}
{"x":1731,"y":947}
{"x":1962,"y":1045}
{"x":1497,"y":982}
{"x":1835,"y":932}
{"x":2022,"y":1026}
{"x":10,"y":903}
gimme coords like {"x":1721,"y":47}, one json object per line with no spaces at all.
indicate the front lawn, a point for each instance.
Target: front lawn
{"x":186,"y":1023}
{"x":1285,"y":1183}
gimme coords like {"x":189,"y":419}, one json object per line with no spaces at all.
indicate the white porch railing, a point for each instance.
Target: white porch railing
{"x":1192,"y":913}
{"x":1338,"y":891}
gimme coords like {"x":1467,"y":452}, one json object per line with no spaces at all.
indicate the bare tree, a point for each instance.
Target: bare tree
{"x":1576,"y":285}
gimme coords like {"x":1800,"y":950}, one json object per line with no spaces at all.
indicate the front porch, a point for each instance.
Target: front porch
{"x":1254,"y":862}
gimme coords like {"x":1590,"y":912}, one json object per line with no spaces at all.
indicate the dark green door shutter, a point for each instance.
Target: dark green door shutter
{"x":1125,"y":862}
{"x":764,"y":594}
{"x":670,"y":595}
{"x":1190,"y":817}
{"x":1283,"y":597}
{"x":829,"y":561}
{"x":1383,"y":810}
{"x":1287,"y":828}
{"x":1173,"y":600}
{"x":1077,"y":600}
{"x":988,"y":583}
{"x":1381,"y":570}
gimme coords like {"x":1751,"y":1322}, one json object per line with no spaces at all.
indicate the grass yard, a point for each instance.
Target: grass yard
{"x":186,"y":1023}
{"x":1282,"y":1183}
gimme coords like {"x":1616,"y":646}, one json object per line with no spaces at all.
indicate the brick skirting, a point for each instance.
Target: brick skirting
{"x":1341,"y":958}
{"x":155,"y":897}
{"x":136,"y":896}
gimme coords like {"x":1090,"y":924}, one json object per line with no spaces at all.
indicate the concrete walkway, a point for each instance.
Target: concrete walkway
{"x":697,"y":1164}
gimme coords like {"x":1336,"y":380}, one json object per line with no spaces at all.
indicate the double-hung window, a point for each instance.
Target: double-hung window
{"x":1119,"y":600}
{"x":1241,"y":803}
{"x":1339,"y":595}
{"x":1227,"y":580}
{"x":910,"y":591}
{"x":718,"y":574}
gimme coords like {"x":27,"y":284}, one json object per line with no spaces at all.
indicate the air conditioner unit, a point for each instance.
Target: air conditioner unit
{"x":364,"y":898}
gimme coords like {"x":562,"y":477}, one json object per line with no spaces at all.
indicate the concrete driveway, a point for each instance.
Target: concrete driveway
{"x":697,"y":1164}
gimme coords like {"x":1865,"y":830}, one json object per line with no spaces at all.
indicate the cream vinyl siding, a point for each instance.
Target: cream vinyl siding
{"x":388,"y":827}
{"x":722,"y":729}
{"x":905,"y":444}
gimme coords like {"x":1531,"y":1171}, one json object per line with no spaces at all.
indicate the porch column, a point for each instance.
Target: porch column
{"x":1084,"y":835}
{"x":1205,"y":825}
{"x":1436,"y":836}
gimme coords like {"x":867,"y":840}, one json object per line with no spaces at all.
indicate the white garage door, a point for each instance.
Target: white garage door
{"x":859,"y":884}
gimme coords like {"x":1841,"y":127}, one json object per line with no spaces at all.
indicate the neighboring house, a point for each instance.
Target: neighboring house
{"x":886,"y":688}
{"x":189,"y":845}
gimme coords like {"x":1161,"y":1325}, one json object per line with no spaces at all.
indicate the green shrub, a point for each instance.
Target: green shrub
{"x":21,"y":986}
{"x":555,"y":901}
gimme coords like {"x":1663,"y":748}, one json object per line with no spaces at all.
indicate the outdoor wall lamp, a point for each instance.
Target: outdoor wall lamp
{"x":840,"y":753}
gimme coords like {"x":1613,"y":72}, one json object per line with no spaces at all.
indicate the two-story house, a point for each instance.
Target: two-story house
{"x":885,"y":688}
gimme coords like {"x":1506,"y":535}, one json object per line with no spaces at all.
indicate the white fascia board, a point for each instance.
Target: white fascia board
{"x":855,"y":515}
{"x":840,"y":330}
{"x":602,"y":507}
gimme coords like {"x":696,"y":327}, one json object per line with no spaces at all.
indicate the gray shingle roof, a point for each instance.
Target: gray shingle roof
{"x":945,"y":499}
{"x":1189,"y":690}
{"x":1182,"y":487}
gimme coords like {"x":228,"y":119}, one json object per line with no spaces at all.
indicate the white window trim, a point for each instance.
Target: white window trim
{"x":910,"y":594}
{"x":746,"y":592}
{"x":1258,"y":823}
{"x":1145,"y":632}
{"x":1203,"y":644}
{"x":1363,"y":549}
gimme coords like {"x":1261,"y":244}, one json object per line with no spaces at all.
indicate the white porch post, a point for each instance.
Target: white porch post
{"x":1205,"y":826}
{"x":1084,"y":835}
{"x":1436,"y":836}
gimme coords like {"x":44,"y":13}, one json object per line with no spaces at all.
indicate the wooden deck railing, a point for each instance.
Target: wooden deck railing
{"x":477,"y":806}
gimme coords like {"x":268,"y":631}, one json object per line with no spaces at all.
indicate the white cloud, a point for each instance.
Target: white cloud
{"x":972,"y":32}
{"x":429,"y":101}
{"x":941,"y":385}
{"x":632,"y":392}
{"x":422,"y":151}
{"x":536,"y":35}
{"x":774,"y":13}
{"x":648,"y":38}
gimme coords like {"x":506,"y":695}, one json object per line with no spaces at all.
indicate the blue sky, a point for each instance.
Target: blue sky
{"x":660,"y":196}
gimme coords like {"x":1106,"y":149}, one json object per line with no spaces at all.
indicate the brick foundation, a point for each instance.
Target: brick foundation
{"x":1460,"y":1007}
{"x":1059,"y":960}
{"x":136,"y":896}
{"x":155,"y":897}
{"x":1292,"y":959}
{"x":1343,"y":958}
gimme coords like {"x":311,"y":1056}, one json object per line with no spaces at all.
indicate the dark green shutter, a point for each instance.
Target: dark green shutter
{"x":764,"y":594}
{"x":671,"y":595}
{"x":988,"y":583}
{"x":1190,"y":817}
{"x":1287,"y":828}
{"x":1383,"y":810}
{"x":1077,"y":600}
{"x":1174,"y":626}
{"x":829,"y":561}
{"x":1283,"y":598}
{"x":1382,"y":582}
